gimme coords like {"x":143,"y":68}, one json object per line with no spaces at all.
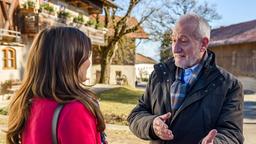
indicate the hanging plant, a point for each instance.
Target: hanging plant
{"x":91,"y":22}
{"x":47,"y":7}
{"x":29,"y":4}
{"x":63,"y":14}
{"x":79,"y":19}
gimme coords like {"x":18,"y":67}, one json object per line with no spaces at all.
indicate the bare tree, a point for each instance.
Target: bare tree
{"x":168,"y":15}
{"x":120,"y":27}
{"x":162,"y":20}
{"x":160,"y":23}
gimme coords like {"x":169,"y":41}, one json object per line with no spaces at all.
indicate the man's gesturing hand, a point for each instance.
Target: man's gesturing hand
{"x":210,"y":137}
{"x":161,"y":129}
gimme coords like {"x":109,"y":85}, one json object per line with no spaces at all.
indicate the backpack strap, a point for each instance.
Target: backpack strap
{"x":55,"y":123}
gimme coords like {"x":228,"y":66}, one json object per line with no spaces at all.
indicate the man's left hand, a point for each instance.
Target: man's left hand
{"x":210,"y":137}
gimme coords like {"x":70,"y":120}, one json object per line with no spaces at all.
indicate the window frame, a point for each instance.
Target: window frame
{"x":9,"y":58}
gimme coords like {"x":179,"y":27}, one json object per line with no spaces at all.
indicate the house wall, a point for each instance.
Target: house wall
{"x":123,"y":61}
{"x":238,"y":59}
{"x":127,"y":71}
{"x":11,"y":74}
{"x":143,"y":70}
{"x":22,"y":52}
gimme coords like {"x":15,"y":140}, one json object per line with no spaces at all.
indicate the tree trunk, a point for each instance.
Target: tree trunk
{"x":105,"y":70}
{"x":106,"y":60}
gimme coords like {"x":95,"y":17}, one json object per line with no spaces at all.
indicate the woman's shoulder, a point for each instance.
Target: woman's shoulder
{"x":75,"y":104}
{"x":77,"y":109}
{"x":77,"y":124}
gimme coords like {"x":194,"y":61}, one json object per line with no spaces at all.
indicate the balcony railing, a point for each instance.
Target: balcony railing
{"x":96,"y":36}
{"x":9,"y":35}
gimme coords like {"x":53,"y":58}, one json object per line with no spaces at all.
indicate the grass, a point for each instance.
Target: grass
{"x":2,"y":138}
{"x":3,"y":124}
{"x":117,"y":103}
{"x":3,"y":120}
{"x":125,"y":95}
{"x":122,"y":137}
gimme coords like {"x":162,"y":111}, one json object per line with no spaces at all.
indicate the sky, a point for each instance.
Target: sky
{"x":231,"y":11}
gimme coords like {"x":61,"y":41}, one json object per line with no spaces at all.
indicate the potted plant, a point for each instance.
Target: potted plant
{"x":91,"y":22}
{"x":47,"y":8}
{"x":29,"y":6}
{"x":78,"y":19}
{"x":63,"y":16}
{"x":99,"y":26}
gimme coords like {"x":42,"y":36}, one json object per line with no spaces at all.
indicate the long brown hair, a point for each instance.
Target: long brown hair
{"x":52,"y":72}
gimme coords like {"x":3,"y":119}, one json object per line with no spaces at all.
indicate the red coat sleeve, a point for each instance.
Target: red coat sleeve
{"x":77,"y":125}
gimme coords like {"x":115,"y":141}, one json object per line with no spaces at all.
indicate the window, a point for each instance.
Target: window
{"x":118,"y":77}
{"x":9,"y":58}
{"x":118,"y":74}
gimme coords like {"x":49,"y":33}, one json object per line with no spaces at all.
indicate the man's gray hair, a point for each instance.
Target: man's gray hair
{"x":203,"y":29}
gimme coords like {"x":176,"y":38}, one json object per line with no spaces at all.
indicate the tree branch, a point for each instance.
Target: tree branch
{"x":107,"y":17}
{"x":143,"y":19}
{"x":132,"y":4}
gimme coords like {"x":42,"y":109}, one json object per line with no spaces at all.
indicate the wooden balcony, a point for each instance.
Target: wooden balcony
{"x":91,"y":6}
{"x":9,"y":36}
{"x":96,"y":36}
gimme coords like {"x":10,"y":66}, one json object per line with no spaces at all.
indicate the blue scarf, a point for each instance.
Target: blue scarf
{"x":179,"y":88}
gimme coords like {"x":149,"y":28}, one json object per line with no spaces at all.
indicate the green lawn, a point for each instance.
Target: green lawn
{"x":117,"y":103}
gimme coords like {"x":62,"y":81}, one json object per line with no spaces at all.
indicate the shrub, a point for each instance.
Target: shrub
{"x":5,"y":87}
{"x":3,"y":111}
{"x":144,"y":79}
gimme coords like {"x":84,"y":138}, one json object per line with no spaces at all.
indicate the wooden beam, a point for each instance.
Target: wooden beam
{"x":7,"y":2}
{"x":13,"y":6}
{"x":4,"y":9}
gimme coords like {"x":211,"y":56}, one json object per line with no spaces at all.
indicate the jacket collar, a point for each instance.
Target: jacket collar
{"x":166,"y":75}
{"x":208,"y":74}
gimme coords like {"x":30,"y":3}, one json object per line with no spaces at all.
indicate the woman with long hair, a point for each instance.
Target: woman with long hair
{"x":56,"y":67}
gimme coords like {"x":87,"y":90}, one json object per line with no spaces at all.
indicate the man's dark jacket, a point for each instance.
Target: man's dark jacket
{"x":215,"y":101}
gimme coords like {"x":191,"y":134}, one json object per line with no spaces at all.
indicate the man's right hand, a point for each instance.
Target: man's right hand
{"x":161,"y":128}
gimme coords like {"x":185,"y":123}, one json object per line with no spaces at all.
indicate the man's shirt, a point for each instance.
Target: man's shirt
{"x":188,"y":73}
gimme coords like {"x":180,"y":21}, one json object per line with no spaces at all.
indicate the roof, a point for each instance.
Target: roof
{"x":132,"y":21}
{"x":141,"y":59}
{"x":234,"y":34}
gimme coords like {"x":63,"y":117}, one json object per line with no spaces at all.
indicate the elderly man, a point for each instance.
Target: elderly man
{"x":189,"y":99}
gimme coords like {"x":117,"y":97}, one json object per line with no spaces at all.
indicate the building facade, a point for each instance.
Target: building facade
{"x":235,"y":48}
{"x":144,"y":67}
{"x":21,"y":20}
